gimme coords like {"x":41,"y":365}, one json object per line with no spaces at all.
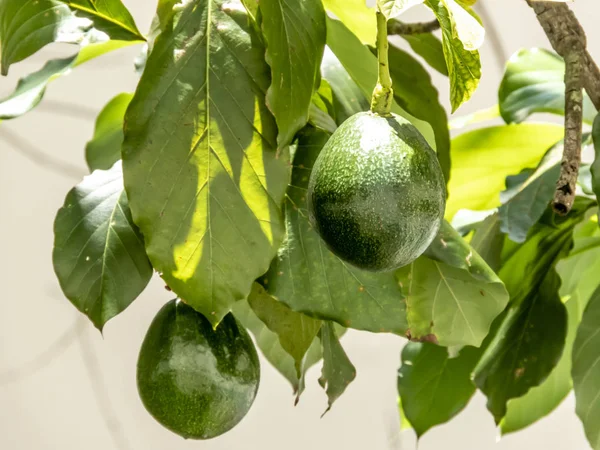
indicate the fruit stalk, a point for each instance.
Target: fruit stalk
{"x":383,"y":95}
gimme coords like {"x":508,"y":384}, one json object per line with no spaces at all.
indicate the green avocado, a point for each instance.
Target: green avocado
{"x":376,"y":193}
{"x":196,"y":381}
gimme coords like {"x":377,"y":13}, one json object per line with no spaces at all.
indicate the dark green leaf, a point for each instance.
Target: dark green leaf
{"x":488,"y":241}
{"x":531,"y":337}
{"x":310,"y":279}
{"x":462,"y":57}
{"x":26,"y":27}
{"x":451,"y":295}
{"x":362,"y":65}
{"x":295,"y":37}
{"x":415,"y":93}
{"x":433,"y":387}
{"x":595,"y":167}
{"x":338,"y":371}
{"x":99,"y":255}
{"x":534,"y":82}
{"x":105,"y":147}
{"x":209,"y":206}
{"x":430,"y":48}
{"x":528,"y":204}
{"x":270,"y":346}
{"x":478,"y":172}
{"x":348,"y":99}
{"x":296,"y":331}
{"x":586,"y":370}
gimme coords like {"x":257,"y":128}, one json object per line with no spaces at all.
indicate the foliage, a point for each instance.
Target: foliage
{"x":201,"y":175}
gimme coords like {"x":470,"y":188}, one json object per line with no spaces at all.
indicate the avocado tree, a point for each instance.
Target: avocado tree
{"x":289,"y":174}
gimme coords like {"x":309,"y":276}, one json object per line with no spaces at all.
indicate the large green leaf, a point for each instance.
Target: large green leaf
{"x":357,"y":16}
{"x":362,"y":65}
{"x":99,"y":255}
{"x":295,"y":37}
{"x":348,"y":99}
{"x":26,"y":26}
{"x":296,"y":331}
{"x":488,"y":241}
{"x":586,"y":370}
{"x":393,"y":8}
{"x":31,"y":89}
{"x":414,"y":92}
{"x":338,"y":371}
{"x":269,"y":344}
{"x":204,"y":182}
{"x":310,"y":279}
{"x":533,"y":83}
{"x":433,"y":387}
{"x":529,"y":201}
{"x":531,"y":337}
{"x":105,"y":147}
{"x":483,"y":158}
{"x":430,"y":48}
{"x":451,"y":295}
{"x":461,"y":36}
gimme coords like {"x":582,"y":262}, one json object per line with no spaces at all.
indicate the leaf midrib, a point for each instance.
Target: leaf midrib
{"x":95,"y":12}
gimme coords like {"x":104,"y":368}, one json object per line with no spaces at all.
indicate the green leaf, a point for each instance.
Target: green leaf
{"x":269,"y":344}
{"x":362,"y":65}
{"x":460,"y":39}
{"x":430,"y":48}
{"x":586,"y":370}
{"x":33,"y":25}
{"x":295,"y":36}
{"x":348,"y":99}
{"x":322,"y":110}
{"x":543,"y":399}
{"x":393,"y":8}
{"x":105,"y":147}
{"x":415,"y":93}
{"x":528,"y":204}
{"x":99,"y":255}
{"x":310,"y":279}
{"x":451,"y":295}
{"x":338,"y":372}
{"x":204,"y":182}
{"x":31,"y":89}
{"x":357,"y":16}
{"x":488,"y":241}
{"x":595,"y":167}
{"x":478,"y":172}
{"x":433,"y":387}
{"x":531,"y":337}
{"x":483,"y":115}
{"x":296,"y":331}
{"x":533,"y":82}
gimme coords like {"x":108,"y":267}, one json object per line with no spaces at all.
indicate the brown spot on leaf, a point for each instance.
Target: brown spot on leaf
{"x":519,"y":372}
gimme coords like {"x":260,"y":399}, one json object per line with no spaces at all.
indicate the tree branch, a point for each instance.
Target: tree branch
{"x":568,"y":39}
{"x":397,"y":27}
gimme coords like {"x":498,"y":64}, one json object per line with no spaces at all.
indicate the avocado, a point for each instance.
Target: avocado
{"x":376,"y":194}
{"x":196,"y":381}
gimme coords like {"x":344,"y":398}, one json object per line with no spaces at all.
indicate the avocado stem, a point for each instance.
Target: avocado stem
{"x":383,"y":94}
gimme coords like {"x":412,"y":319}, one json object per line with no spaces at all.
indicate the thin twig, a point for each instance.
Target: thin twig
{"x":491,"y":33}
{"x":42,"y":360}
{"x":107,"y":411}
{"x":569,"y":166}
{"x":402,"y":28}
{"x":39,"y":157}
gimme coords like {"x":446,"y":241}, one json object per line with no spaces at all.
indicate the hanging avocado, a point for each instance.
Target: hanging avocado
{"x":196,"y":381}
{"x":376,"y":193}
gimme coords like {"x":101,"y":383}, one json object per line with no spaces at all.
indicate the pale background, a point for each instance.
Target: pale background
{"x":63,"y":386}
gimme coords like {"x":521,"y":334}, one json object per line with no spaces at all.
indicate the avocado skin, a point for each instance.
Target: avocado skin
{"x":376,"y":194}
{"x":197,"y":382}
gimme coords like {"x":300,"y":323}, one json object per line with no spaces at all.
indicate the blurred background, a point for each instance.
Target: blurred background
{"x":64,"y":386}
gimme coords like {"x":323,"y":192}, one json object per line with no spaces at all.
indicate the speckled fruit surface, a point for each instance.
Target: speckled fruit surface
{"x":196,"y":381}
{"x":376,"y":193}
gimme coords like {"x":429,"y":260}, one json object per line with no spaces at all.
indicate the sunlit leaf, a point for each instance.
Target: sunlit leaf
{"x":357,"y":16}
{"x":393,"y":8}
